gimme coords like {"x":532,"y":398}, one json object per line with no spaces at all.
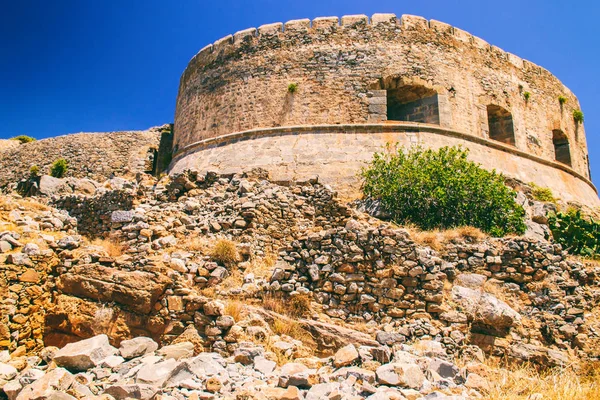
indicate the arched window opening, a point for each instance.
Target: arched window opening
{"x":562,"y":152}
{"x":500,"y":124}
{"x":414,"y":103}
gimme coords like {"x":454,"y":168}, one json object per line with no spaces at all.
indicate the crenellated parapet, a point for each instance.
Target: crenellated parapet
{"x":360,"y":70}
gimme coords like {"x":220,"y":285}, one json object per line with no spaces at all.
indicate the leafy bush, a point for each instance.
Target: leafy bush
{"x":225,"y":252}
{"x":58,"y":169}
{"x":578,"y":116}
{"x":24,"y":138}
{"x":562,"y":99}
{"x":34,"y":171}
{"x":578,"y":234}
{"x":527,"y":95}
{"x":293,"y":87}
{"x":439,"y":189}
{"x":542,"y":193}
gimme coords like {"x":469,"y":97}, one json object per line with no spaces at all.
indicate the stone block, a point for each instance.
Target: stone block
{"x":301,"y":25}
{"x":353,"y":20}
{"x":325,"y":23}
{"x":240,"y":36}
{"x":384,"y":19}
{"x":413,"y":22}
{"x":270,"y":29}
{"x":441,"y":27}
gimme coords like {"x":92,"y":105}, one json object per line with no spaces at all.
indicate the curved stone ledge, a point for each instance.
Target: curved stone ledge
{"x":335,"y":153}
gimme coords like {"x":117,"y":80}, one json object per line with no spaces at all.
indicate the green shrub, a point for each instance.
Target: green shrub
{"x":579,"y":235}
{"x":34,"y":171}
{"x":542,"y":193}
{"x":59,"y":168}
{"x":562,"y":99}
{"x":442,"y":189}
{"x":578,"y":116}
{"x":293,"y":88}
{"x":527,"y":95}
{"x":24,"y":138}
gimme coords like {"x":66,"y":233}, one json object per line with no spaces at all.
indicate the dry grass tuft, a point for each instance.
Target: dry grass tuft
{"x":293,"y":306}
{"x":235,"y":309}
{"x":210,"y":292}
{"x":195,"y":243}
{"x":437,"y":239}
{"x":112,"y":247}
{"x":292,"y":329}
{"x":262,"y":267}
{"x":225,"y":252}
{"x":521,"y":382}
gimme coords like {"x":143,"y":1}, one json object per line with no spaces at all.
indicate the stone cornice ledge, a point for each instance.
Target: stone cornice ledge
{"x":368,"y":128}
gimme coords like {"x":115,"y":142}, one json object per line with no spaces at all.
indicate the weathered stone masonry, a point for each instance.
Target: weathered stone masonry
{"x":366,"y":71}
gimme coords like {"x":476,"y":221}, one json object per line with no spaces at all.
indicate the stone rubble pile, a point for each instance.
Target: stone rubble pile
{"x":153,"y":279}
{"x":138,"y":368}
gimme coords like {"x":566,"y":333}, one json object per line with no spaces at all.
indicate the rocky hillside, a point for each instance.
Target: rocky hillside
{"x":231,"y":286}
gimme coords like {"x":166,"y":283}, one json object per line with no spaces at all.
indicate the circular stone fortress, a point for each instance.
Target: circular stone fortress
{"x":317,"y":98}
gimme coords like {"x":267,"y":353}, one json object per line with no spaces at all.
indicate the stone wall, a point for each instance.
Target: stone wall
{"x":341,"y":69}
{"x":90,"y":155}
{"x":335,"y":155}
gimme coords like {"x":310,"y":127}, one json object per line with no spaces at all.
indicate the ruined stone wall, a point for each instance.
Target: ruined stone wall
{"x":241,"y":81}
{"x":364,"y":273}
{"x":90,"y":155}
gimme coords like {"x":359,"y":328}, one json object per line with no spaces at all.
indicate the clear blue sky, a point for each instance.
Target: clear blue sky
{"x":93,"y":66}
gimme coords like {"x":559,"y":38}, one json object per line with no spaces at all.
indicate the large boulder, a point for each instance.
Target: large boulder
{"x":487,"y":313}
{"x":156,"y":374}
{"x":50,"y":186}
{"x":56,"y":380}
{"x":136,"y":290}
{"x":85,"y":354}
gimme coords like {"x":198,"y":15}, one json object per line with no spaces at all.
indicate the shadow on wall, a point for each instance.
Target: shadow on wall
{"x":164,"y":154}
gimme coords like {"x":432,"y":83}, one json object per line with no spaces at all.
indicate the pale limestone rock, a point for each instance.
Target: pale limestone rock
{"x":131,"y":391}
{"x":7,"y":372}
{"x":59,"y":379}
{"x":177,"y":351}
{"x":156,"y":374}
{"x":84,"y":354}
{"x":345,"y":356}
{"x":405,"y":375}
{"x":137,"y":347}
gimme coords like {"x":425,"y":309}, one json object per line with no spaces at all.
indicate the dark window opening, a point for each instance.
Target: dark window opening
{"x":501,"y":125}
{"x":413,"y":103}
{"x":562,"y":152}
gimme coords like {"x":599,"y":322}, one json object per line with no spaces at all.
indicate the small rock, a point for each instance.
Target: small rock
{"x":137,"y":347}
{"x":345,"y":356}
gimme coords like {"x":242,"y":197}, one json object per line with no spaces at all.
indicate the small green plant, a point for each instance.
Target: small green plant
{"x":58,"y":169}
{"x":578,"y":116}
{"x":542,"y":194}
{"x":24,"y":138}
{"x":576,"y":233}
{"x":527,"y":95}
{"x":293,"y":88}
{"x":562,"y":100}
{"x":442,"y":189}
{"x":34,"y":171}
